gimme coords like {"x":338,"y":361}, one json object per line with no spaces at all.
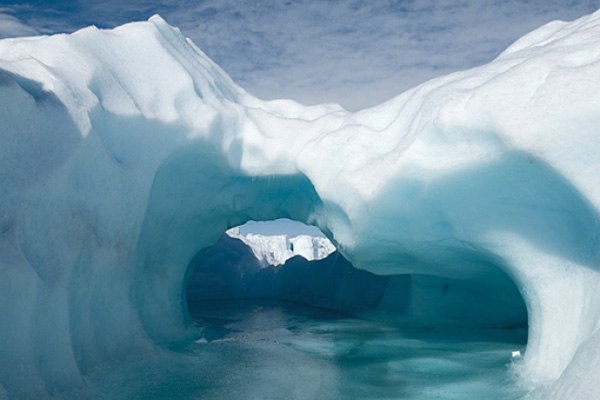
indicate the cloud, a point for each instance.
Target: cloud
{"x":348,"y":51}
{"x":358,"y":53}
{"x":13,"y":27}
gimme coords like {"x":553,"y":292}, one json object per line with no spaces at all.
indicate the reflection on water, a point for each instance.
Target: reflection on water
{"x":281,"y":351}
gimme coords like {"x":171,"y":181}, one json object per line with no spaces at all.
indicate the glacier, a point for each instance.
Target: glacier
{"x":127,"y":152}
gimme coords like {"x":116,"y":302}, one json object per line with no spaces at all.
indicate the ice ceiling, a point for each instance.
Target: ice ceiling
{"x":126,"y":152}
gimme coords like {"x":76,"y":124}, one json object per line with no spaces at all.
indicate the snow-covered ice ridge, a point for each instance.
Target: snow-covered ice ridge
{"x":277,"y":249}
{"x":125,"y":152}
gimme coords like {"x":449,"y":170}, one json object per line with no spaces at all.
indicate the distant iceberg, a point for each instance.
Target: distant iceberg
{"x":277,"y":249}
{"x":126,"y":152}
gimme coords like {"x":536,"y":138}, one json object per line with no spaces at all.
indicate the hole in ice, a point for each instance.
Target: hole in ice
{"x":281,"y":226}
{"x":273,"y":325}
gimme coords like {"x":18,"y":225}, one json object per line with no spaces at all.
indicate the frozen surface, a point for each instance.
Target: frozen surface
{"x":124,"y":153}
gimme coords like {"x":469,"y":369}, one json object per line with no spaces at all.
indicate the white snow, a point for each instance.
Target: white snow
{"x":277,"y":249}
{"x":124,"y":152}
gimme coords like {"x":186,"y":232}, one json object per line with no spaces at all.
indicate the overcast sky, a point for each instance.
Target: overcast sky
{"x":356,"y":53}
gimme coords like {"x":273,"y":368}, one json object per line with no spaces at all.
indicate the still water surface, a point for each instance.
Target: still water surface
{"x":280,"y":351}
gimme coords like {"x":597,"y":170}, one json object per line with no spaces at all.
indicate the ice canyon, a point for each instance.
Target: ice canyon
{"x":126,"y":153}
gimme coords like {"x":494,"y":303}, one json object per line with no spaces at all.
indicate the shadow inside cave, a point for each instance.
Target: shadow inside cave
{"x":229,"y":270}
{"x":325,"y":329}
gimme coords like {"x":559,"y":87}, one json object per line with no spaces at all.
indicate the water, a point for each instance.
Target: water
{"x":281,"y":351}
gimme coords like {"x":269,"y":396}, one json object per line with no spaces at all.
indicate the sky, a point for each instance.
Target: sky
{"x":281,"y":226}
{"x":351,"y":52}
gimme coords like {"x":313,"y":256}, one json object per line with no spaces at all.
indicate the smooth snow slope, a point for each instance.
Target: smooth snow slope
{"x":125,"y":152}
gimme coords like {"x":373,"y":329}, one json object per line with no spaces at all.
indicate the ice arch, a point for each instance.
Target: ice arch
{"x":126,"y":151}
{"x":195,"y":196}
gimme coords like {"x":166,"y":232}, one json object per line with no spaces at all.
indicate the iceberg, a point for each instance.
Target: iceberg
{"x":277,"y":249}
{"x":126,"y":152}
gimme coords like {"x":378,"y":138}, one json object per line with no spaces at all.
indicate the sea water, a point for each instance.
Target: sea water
{"x":266,"y":350}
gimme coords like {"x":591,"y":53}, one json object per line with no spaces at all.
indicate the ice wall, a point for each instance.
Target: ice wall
{"x":126,"y":152}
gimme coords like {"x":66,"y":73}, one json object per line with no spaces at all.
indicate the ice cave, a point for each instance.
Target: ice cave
{"x":469,"y":203}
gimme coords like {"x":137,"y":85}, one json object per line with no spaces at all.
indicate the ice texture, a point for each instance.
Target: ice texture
{"x":126,"y":152}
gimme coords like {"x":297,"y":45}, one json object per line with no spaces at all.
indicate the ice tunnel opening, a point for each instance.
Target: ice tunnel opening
{"x":197,"y":196}
{"x":289,"y":261}
{"x":327,"y":309}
